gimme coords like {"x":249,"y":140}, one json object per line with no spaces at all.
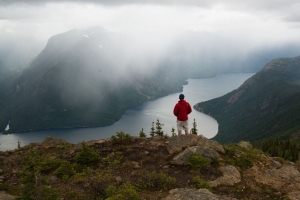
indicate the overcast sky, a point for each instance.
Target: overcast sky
{"x":246,"y":20}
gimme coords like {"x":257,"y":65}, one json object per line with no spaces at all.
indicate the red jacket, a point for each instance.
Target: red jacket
{"x":182,"y":109}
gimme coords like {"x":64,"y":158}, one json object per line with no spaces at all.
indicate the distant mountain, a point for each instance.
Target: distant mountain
{"x":79,"y":80}
{"x":85,"y":78}
{"x":267,"y":105}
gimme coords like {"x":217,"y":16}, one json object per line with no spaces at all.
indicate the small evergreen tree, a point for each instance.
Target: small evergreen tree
{"x":194,"y":130}
{"x":159,"y":128}
{"x":142,"y":134}
{"x":173,"y":132}
{"x":121,"y":137}
{"x":87,"y":155}
{"x":152,"y":133}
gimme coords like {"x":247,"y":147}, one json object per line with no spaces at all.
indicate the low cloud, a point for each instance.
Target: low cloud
{"x":155,"y":23}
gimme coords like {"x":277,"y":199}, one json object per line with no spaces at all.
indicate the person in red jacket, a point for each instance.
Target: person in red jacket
{"x":181,"y":110}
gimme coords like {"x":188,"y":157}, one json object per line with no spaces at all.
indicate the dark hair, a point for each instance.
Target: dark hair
{"x":181,"y":96}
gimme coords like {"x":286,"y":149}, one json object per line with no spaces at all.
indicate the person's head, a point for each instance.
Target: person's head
{"x":181,"y":96}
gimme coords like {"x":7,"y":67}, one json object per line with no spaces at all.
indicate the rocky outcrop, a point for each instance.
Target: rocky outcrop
{"x":266,"y":177}
{"x":245,"y":145}
{"x":194,"y":194}
{"x":4,"y":196}
{"x":52,"y":142}
{"x":278,"y":175}
{"x":230,"y":176}
{"x":285,"y":179}
{"x":182,"y":158}
{"x":293,"y":196}
{"x":178,"y":143}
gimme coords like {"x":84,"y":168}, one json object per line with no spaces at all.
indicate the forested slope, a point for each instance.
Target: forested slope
{"x":266,"y":106}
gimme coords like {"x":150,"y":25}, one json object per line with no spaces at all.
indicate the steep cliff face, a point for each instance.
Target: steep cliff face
{"x":265,"y":106}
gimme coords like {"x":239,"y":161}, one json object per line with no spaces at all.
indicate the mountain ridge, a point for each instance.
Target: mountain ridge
{"x":263,"y":107}
{"x":74,"y":82}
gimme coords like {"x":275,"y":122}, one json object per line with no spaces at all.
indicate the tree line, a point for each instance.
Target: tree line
{"x":287,"y":149}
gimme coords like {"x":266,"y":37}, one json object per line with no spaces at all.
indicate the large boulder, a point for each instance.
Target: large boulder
{"x":230,"y":176}
{"x":183,"y":157}
{"x":178,"y":143}
{"x":194,"y":194}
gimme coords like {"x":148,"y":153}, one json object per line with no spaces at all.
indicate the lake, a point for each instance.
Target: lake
{"x":142,"y":116}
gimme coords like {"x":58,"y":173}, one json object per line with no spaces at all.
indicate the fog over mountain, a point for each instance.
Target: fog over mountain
{"x":215,"y":32}
{"x":92,"y":48}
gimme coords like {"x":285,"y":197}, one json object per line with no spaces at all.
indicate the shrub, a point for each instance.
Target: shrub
{"x":98,"y":184}
{"x":200,"y":183}
{"x":197,"y":161}
{"x":65,"y":170}
{"x":124,"y":192}
{"x":87,"y":155}
{"x":75,"y":195}
{"x":113,"y":160}
{"x":49,"y":164}
{"x":241,"y":157}
{"x":34,"y":183}
{"x":120,"y":136}
{"x":155,"y":180}
{"x":243,"y":162}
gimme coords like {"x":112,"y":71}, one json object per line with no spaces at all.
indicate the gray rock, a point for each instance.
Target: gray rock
{"x":287,"y":176}
{"x":136,"y":165}
{"x":178,"y":143}
{"x":230,"y":176}
{"x":245,"y":145}
{"x":285,"y":179}
{"x":4,"y":196}
{"x":275,"y":164}
{"x":183,"y":157}
{"x":194,"y":194}
{"x":119,"y":180}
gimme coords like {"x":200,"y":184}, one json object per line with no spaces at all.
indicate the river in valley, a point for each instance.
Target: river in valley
{"x":142,"y":116}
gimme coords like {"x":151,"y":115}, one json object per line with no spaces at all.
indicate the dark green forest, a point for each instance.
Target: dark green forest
{"x":266,"y":106}
{"x":286,"y":149}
